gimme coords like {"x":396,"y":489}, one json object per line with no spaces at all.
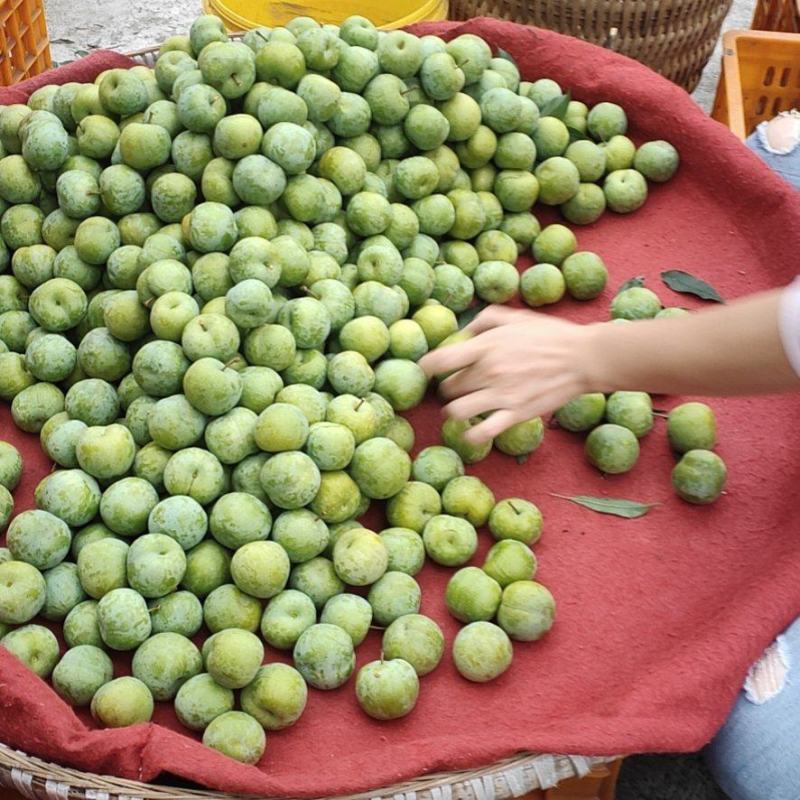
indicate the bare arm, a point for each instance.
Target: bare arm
{"x":521,"y":364}
{"x":727,"y":350}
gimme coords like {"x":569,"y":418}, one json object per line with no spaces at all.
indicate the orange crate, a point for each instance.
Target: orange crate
{"x":24,"y":46}
{"x":760,"y":77}
{"x":777,"y":15}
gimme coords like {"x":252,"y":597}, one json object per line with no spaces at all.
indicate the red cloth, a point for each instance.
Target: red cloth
{"x":84,"y":70}
{"x":658,"y":618}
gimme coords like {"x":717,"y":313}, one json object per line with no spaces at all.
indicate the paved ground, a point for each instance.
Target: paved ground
{"x":76,"y":28}
{"x":740,"y":15}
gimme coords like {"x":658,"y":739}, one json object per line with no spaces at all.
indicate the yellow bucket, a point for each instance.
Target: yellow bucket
{"x":241,"y":15}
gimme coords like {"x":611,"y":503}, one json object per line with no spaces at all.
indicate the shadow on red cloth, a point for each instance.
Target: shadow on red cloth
{"x":658,"y":618}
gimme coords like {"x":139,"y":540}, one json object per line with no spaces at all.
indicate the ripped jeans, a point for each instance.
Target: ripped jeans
{"x":756,"y":754}
{"x":777,"y":143}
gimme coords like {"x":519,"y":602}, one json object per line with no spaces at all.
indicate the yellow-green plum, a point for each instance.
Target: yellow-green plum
{"x":285,"y":617}
{"x":527,"y":610}
{"x":165,"y":662}
{"x":122,"y":702}
{"x":691,"y":426}
{"x":510,"y":560}
{"x":350,"y":612}
{"x":468,"y":497}
{"x":232,"y":657}
{"x":123,"y":619}
{"x":699,"y":477}
{"x":35,"y":646}
{"x":360,"y":557}
{"x":472,"y":595}
{"x":392,"y":596}
{"x":23,"y":592}
{"x":236,"y":735}
{"x":324,"y":656}
{"x":276,"y":697}
{"x":200,"y":700}
{"x":387,"y":689}
{"x":414,"y":505}
{"x":482,"y":651}
{"x":80,"y":673}
{"x":611,"y":448}
{"x":449,"y":541}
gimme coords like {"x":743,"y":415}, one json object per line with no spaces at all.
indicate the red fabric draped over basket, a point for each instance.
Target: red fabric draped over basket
{"x":658,"y":618}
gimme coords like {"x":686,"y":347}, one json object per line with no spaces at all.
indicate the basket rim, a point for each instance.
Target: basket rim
{"x":153,"y":49}
{"x":517,"y":775}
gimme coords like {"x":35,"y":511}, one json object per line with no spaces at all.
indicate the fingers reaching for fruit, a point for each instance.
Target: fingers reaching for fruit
{"x":519,"y":365}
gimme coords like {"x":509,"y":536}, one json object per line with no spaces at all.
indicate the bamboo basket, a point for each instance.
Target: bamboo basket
{"x":673,"y":37}
{"x":535,"y":776}
{"x":777,"y":15}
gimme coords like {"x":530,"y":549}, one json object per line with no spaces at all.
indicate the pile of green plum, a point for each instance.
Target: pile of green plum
{"x":216,"y":279}
{"x":616,"y":422}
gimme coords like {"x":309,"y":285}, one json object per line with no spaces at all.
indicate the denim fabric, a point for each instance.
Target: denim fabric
{"x":786,"y":164}
{"x":756,"y":754}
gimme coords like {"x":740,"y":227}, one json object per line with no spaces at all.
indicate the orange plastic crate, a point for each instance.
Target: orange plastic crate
{"x":760,"y":77}
{"x":24,"y":46}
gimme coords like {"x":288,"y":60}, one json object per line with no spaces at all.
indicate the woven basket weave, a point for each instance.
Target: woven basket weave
{"x":514,"y":777}
{"x":673,"y":37}
{"x":777,"y":15}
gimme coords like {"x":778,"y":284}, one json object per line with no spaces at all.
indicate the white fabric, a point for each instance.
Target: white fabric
{"x":789,"y":323}
{"x":781,"y":134}
{"x":767,"y":676}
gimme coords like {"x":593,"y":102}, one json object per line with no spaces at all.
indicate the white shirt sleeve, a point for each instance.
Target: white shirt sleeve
{"x":789,"y":323}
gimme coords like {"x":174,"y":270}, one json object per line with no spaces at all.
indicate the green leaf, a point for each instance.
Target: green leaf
{"x":469,"y":314}
{"x":557,"y":107}
{"x":506,"y":55}
{"x":630,"y":509}
{"x":575,"y":135}
{"x":630,"y":283}
{"x":680,"y":281}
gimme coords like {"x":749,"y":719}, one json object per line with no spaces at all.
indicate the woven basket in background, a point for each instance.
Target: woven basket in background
{"x":777,"y":15}
{"x":673,"y":37}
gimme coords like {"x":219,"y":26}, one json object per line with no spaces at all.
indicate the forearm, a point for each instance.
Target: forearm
{"x":729,"y":350}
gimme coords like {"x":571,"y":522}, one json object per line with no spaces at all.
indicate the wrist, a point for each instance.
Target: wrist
{"x":597,"y":358}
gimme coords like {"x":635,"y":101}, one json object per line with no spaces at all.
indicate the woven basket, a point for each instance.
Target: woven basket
{"x":673,"y":37}
{"x":514,"y":777}
{"x":777,"y":15}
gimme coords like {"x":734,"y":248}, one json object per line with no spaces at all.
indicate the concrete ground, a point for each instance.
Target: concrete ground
{"x":77,"y":28}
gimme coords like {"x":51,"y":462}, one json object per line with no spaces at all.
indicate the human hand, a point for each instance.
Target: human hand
{"x":519,"y":365}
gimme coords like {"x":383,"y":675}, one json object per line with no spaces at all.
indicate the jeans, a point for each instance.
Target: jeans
{"x":756,"y":754}
{"x":785,"y":162}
